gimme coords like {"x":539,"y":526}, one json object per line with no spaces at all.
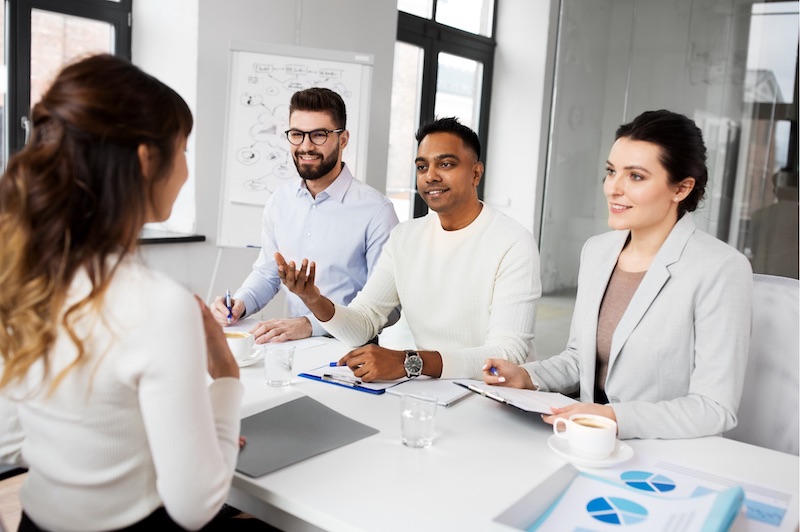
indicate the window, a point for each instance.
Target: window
{"x":443,"y":67}
{"x":46,"y":34}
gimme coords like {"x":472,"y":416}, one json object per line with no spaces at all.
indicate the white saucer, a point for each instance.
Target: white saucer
{"x":622,"y":453}
{"x":249,"y":361}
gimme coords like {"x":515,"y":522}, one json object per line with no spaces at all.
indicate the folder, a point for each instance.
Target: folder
{"x":294,"y":431}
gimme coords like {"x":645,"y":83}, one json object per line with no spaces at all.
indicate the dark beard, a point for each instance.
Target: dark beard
{"x":328,"y":164}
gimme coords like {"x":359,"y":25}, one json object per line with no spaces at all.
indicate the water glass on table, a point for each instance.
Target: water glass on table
{"x":417,"y":420}
{"x":278,"y":360}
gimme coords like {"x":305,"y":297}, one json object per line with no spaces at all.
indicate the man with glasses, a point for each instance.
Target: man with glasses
{"x":327,"y":215}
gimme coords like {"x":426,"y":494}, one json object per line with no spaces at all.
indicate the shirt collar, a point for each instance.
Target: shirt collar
{"x":335,"y":190}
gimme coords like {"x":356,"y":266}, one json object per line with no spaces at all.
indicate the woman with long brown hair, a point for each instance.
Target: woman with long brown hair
{"x":104,"y":390}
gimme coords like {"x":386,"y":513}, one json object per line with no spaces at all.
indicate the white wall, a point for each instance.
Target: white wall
{"x":186,"y":42}
{"x":171,"y":26}
{"x":519,"y":115}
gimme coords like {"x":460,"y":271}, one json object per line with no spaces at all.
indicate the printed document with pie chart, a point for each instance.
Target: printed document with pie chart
{"x":596,"y":503}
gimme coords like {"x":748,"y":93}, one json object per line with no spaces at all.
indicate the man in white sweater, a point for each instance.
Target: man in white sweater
{"x":466,"y":275}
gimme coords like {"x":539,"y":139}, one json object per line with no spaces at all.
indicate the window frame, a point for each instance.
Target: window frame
{"x":434,"y":37}
{"x":18,"y":51}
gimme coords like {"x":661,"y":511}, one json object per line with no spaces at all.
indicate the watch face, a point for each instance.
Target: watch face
{"x":413,"y":365}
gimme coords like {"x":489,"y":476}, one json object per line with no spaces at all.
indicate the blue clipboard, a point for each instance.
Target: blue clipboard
{"x":343,"y":376}
{"x":342,"y":384}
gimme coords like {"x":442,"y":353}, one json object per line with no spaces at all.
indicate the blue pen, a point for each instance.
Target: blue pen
{"x":228,"y":304}
{"x":333,"y":364}
{"x":493,"y":371}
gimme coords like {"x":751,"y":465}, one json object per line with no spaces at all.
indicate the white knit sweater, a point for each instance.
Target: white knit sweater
{"x":136,"y":428}
{"x":468,"y":294}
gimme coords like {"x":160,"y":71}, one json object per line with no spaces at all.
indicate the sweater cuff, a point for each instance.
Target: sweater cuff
{"x":316,"y":327}
{"x":536,"y":384}
{"x":226,"y":399}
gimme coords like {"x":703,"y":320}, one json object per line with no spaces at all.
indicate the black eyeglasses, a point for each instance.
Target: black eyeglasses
{"x":318,"y":136}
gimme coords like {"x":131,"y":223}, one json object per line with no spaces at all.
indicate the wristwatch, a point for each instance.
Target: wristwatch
{"x":413,"y":364}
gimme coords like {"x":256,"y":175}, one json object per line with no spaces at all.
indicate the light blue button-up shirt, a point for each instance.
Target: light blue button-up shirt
{"x":342,"y":230}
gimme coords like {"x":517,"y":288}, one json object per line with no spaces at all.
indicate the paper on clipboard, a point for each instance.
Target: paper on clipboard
{"x":527,"y":400}
{"x":343,"y":376}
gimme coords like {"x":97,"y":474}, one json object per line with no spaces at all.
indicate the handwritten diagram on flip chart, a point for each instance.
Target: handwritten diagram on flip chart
{"x":257,"y":158}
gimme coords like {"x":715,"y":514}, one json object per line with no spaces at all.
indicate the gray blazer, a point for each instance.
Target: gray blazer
{"x":679,"y":353}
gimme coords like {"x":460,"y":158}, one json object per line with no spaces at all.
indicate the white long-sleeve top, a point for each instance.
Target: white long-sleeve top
{"x":135,"y":428}
{"x":469,"y":294}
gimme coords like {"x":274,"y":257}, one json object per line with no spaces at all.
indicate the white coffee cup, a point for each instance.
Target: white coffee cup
{"x":589,"y":435}
{"x":241,"y":344}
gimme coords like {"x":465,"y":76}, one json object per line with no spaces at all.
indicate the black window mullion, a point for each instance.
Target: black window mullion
{"x":19,"y":68}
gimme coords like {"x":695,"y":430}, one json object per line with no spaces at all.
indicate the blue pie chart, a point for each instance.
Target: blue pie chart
{"x":616,"y":511}
{"x":647,"y":481}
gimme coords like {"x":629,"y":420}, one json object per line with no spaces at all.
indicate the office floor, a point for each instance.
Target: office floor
{"x":553,"y":317}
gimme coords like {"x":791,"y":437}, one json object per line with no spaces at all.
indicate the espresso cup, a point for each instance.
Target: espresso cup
{"x":589,"y":436}
{"x":241,"y":344}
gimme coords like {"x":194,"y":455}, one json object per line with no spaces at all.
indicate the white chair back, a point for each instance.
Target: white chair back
{"x":769,"y":414}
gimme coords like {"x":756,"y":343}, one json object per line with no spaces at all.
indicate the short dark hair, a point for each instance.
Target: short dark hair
{"x":320,"y":99}
{"x":452,"y":125}
{"x":683,"y":152}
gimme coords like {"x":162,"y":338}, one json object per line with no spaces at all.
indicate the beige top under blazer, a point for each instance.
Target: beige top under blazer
{"x":679,"y":353}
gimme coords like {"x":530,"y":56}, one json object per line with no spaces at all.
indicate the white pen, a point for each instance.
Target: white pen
{"x":341,"y":379}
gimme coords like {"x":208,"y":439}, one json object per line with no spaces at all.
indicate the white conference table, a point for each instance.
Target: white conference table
{"x":485,"y":457}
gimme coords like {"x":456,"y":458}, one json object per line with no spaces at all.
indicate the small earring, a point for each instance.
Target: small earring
{"x":675,"y":199}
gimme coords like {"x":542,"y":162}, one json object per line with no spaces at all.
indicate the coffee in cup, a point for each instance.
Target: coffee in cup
{"x":589,"y":436}
{"x":241,"y":344}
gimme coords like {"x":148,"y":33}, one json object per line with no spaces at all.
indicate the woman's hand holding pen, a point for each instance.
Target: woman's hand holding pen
{"x":504,"y":373}
{"x":220,"y":311}
{"x":301,"y":283}
{"x":220,"y":359}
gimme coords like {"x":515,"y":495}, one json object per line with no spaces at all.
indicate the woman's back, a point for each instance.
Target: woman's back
{"x":104,"y":382}
{"x":135,"y":412}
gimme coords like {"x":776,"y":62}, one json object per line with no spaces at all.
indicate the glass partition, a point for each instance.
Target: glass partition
{"x":723,"y":63}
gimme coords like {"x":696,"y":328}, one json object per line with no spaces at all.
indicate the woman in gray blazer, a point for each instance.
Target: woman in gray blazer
{"x":661,"y":328}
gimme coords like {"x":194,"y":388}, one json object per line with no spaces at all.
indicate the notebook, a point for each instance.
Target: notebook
{"x":445,"y":391}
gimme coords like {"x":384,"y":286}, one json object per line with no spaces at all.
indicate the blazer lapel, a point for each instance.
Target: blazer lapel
{"x":652,"y":283}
